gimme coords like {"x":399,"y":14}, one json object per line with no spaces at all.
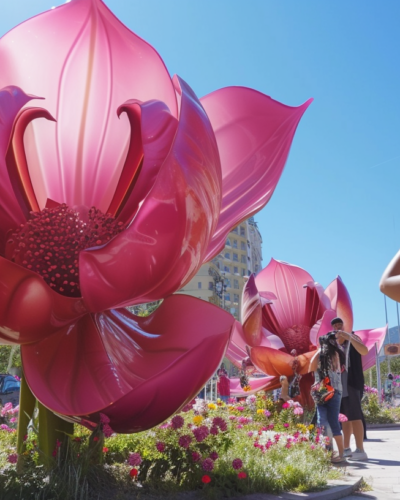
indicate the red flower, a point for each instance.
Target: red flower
{"x":95,"y":439}
{"x":206,"y":479}
{"x":133,"y":472}
{"x":105,"y":450}
{"x":242,"y":475}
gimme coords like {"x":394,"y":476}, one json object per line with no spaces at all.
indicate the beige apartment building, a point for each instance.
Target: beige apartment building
{"x":221,"y":280}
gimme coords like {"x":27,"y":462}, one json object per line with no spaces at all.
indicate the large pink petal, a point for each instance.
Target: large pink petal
{"x":29,"y":309}
{"x":137,"y":370}
{"x":237,"y":347}
{"x":341,"y":302}
{"x":85,"y":63}
{"x":256,"y":384}
{"x":254,"y":134}
{"x":157,"y":129}
{"x":370,"y":338}
{"x":251,"y":313}
{"x":11,"y":216}
{"x":322,"y":327}
{"x":298,"y":301}
{"x":165,"y":244}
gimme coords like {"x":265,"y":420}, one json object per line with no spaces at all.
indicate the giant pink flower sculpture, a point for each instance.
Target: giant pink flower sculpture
{"x":112,"y":193}
{"x":284,"y":309}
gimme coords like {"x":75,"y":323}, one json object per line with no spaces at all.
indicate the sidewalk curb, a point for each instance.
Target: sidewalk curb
{"x":336,"y":489}
{"x":382,"y":426}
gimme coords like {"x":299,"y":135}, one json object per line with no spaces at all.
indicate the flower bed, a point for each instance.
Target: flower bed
{"x":214,"y":449}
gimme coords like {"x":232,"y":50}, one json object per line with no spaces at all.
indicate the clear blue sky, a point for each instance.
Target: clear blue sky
{"x":336,"y":209}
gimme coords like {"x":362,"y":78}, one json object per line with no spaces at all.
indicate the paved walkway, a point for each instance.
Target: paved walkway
{"x":382,"y":470}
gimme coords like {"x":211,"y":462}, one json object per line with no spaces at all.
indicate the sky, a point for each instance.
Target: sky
{"x":335,"y":210}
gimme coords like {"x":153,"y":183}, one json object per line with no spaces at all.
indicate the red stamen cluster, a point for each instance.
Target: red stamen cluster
{"x":50,"y":241}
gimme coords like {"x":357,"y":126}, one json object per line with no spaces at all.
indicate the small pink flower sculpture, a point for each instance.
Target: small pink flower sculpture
{"x":284,"y":309}
{"x":113,"y":193}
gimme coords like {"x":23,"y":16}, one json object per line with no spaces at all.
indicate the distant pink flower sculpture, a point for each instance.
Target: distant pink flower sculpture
{"x":113,"y":193}
{"x":284,"y":309}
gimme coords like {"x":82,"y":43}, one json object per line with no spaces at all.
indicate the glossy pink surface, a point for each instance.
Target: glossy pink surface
{"x":114,"y":131}
{"x":294,"y":311}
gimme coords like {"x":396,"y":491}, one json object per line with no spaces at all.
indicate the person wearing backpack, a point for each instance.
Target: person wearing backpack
{"x":327,"y":365}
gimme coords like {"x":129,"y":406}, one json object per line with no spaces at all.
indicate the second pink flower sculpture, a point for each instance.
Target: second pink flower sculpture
{"x":285,"y":310}
{"x":113,"y":193}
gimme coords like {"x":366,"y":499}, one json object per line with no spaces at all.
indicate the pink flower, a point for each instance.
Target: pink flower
{"x":342,"y":418}
{"x":200,"y":433}
{"x":285,"y":309}
{"x":288,"y":445}
{"x":242,"y":475}
{"x":214,"y":455}
{"x":232,"y":417}
{"x":250,"y":433}
{"x":105,"y":449}
{"x":267,"y":413}
{"x":13,"y":420}
{"x":134,"y":459}
{"x":160,"y":446}
{"x":237,"y":464}
{"x":207,"y":464}
{"x":214,"y":430}
{"x":12,"y":458}
{"x":104,"y":419}
{"x":240,"y":408}
{"x":286,"y":425}
{"x":184,"y":441}
{"x":312,"y":447}
{"x":298,"y":411}
{"x":107,"y":431}
{"x":177,"y":422}
{"x":168,"y":162}
{"x":285,"y":405}
{"x":196,"y":457}
{"x":239,"y":426}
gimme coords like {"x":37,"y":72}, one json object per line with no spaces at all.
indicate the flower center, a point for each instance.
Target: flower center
{"x":296,"y":337}
{"x":50,"y":241}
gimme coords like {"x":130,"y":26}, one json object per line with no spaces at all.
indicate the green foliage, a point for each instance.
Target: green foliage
{"x":277,"y":453}
{"x":377,"y":413}
{"x":370,"y":374}
{"x":5,"y":351}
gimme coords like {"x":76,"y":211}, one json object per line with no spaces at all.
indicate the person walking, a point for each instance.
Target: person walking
{"x":329,"y":361}
{"x":223,"y":385}
{"x":353,"y":388}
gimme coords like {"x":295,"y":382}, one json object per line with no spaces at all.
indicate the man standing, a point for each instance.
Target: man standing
{"x":353,"y":387}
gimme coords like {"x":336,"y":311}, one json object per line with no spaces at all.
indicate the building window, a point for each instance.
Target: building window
{"x":248,"y":272}
{"x":228,"y":283}
{"x":236,"y":298}
{"x":235,"y":284}
{"x":242,"y":245}
{"x":235,"y":257}
{"x":226,"y":269}
{"x":235,"y":270}
{"x":210,"y":285}
{"x":228,"y":297}
{"x":199,"y":284}
{"x":235,"y":230}
{"x":235,"y":245}
{"x":227,"y":255}
{"x":243,"y":272}
{"x":243,"y":259}
{"x":242,"y":231}
{"x":228,"y":243}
